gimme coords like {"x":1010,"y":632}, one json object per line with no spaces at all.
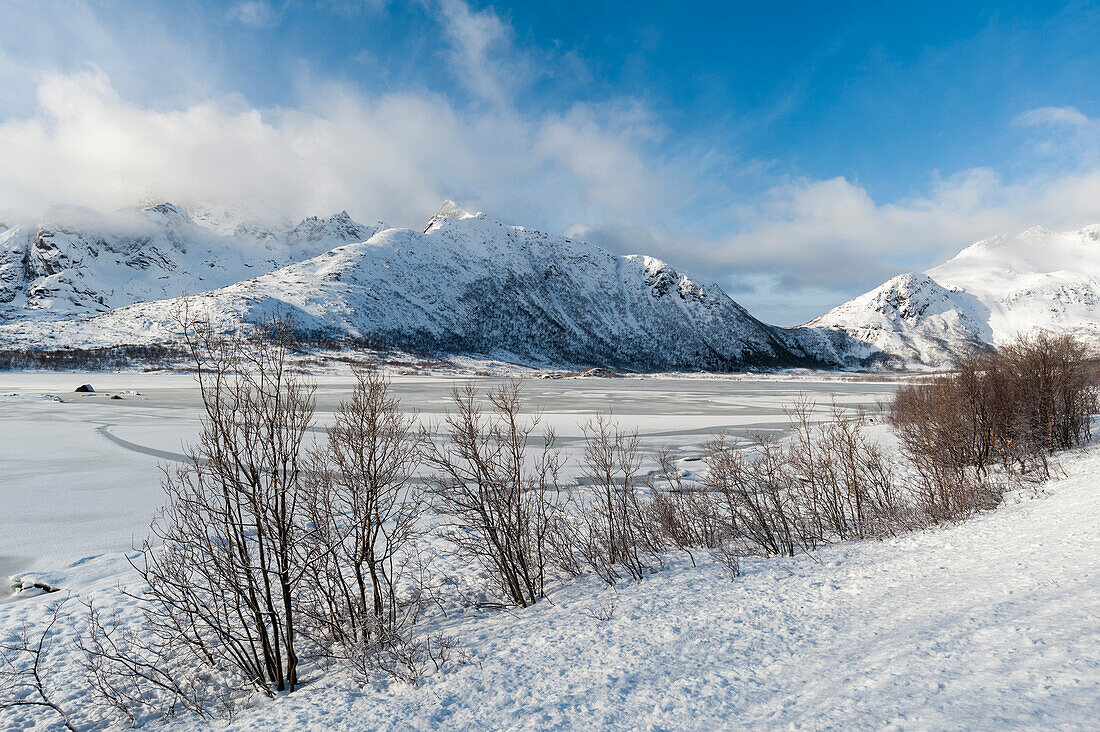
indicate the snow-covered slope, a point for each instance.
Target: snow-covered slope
{"x":1039,"y":279}
{"x":76,"y":262}
{"x":470,"y":285}
{"x":911,"y":317}
{"x":990,"y":624}
{"x":990,"y":292}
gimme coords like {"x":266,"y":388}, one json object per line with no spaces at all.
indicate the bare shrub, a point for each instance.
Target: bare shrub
{"x":132,"y":673}
{"x":944,"y":445}
{"x":224,"y":565}
{"x":729,"y":557}
{"x":363,"y":508}
{"x":565,"y":530}
{"x":620,"y":536}
{"x":1054,"y":391}
{"x":1014,"y":406}
{"x":847,"y":484}
{"x":25,"y":667}
{"x":269,"y":551}
{"x":828,"y":482}
{"x":499,"y":504}
{"x":685,"y":515}
{"x":603,"y":612}
{"x":760,"y":493}
{"x":405,"y":657}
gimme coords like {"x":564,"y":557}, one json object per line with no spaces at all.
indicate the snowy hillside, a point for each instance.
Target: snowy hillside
{"x":985,"y":625}
{"x":76,"y":263}
{"x":470,"y":285}
{"x":988,"y":293}
{"x":910,"y":316}
{"x":1039,"y":279}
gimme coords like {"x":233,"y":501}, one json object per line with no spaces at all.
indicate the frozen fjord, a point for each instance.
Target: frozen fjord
{"x":80,"y":475}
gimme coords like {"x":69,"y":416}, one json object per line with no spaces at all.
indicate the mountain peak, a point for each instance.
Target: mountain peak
{"x":1036,"y":232}
{"x":448,"y":210}
{"x":170,"y":212}
{"x":340,"y":227}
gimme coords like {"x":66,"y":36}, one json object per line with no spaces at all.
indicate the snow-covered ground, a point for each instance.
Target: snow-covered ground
{"x":989,"y":624}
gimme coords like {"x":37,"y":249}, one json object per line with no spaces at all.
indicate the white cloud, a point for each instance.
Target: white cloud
{"x":481,"y":51}
{"x":394,"y":155}
{"x":600,"y":148}
{"x":1064,"y":137}
{"x":1053,"y":116}
{"x":829,"y":239}
{"x":257,"y":13}
{"x":144,"y":56}
{"x":390,"y":155}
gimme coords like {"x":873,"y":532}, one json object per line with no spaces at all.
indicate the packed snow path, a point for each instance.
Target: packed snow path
{"x":991,"y":624}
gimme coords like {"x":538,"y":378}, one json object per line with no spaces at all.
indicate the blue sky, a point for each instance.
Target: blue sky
{"x":797,"y":154}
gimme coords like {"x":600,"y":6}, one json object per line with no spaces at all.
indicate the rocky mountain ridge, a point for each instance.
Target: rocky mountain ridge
{"x":467,"y":285}
{"x":987,"y":294}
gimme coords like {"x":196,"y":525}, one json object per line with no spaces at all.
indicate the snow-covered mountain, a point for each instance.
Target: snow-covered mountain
{"x":987,"y":294}
{"x":465,"y":285}
{"x":76,"y":262}
{"x":468,"y":285}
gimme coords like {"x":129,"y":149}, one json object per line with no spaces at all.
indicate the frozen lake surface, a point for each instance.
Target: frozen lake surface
{"x":80,"y":473}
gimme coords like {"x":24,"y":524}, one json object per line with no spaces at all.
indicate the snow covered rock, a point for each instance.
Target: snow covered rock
{"x":911,"y":318}
{"x":448,"y":210}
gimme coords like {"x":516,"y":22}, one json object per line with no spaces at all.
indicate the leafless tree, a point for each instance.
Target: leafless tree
{"x":846,"y":480}
{"x":762,"y":496}
{"x":621,"y":533}
{"x":497,"y":488}
{"x":364,"y":509}
{"x":1014,"y":405}
{"x":1055,"y":394}
{"x":687,"y":516}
